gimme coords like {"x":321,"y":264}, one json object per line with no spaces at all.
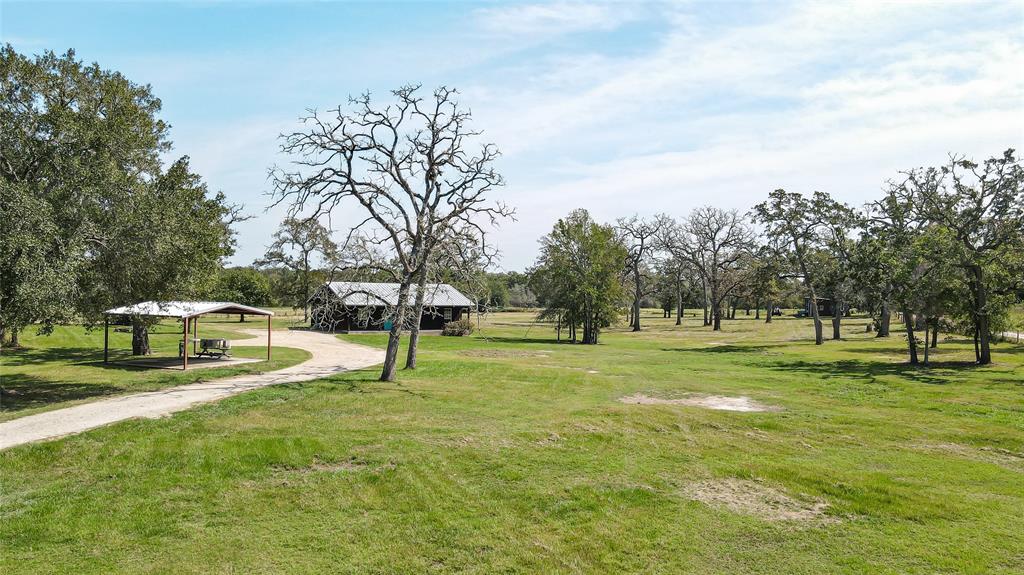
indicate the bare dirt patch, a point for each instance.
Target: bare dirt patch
{"x":719,"y":402}
{"x":754,"y":498}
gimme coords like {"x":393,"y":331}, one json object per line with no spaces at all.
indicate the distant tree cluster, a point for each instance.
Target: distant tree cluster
{"x":943,"y":249}
{"x":92,"y":219}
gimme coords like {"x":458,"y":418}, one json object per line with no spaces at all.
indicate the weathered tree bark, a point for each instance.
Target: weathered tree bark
{"x":819,"y":338}
{"x":837,"y":318}
{"x":637,"y":296}
{"x":395,"y":335}
{"x":770,"y":311}
{"x":416,"y":317}
{"x":883,"y":321}
{"x":140,"y":339}
{"x":935,"y":333}
{"x":908,"y":322}
{"x":14,"y":337}
{"x":981,"y":319}
{"x":679,"y":304}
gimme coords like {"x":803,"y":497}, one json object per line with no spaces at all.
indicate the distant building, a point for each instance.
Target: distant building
{"x":826,"y":308}
{"x":364,"y":306}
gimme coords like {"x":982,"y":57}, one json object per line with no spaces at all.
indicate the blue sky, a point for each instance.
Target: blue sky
{"x":620,"y":108}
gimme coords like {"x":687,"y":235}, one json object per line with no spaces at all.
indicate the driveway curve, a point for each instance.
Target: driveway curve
{"x":330,"y":356}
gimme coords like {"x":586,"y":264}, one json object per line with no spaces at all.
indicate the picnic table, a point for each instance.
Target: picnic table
{"x":209,"y":347}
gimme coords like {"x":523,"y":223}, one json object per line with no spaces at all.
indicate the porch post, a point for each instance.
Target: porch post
{"x":106,"y":337}
{"x":184,"y":344}
{"x":269,"y":317}
{"x":195,"y":333}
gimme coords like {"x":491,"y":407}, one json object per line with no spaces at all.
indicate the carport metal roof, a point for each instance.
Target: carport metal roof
{"x":184,"y":309}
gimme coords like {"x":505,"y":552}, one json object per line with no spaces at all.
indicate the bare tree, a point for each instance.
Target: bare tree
{"x":715,"y":242}
{"x":408,"y":167}
{"x":296,"y":245}
{"x":641,"y":238}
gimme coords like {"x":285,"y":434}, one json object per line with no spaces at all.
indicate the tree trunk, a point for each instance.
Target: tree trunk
{"x":395,"y":335}
{"x":140,"y":339}
{"x":926,"y":348}
{"x":935,"y":333}
{"x":883,"y":321}
{"x":241,"y":318}
{"x":837,"y":318}
{"x":704,"y":291}
{"x":981,"y":316}
{"x":757,"y":310}
{"x":417,"y":317}
{"x":679,"y":304}
{"x":637,"y":296}
{"x":908,"y":321}
{"x":819,"y":338}
{"x":770,"y":311}
{"x":14,"y":337}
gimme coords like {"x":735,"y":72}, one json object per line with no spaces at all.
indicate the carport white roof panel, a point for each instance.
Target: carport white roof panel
{"x":181,"y":309}
{"x":372,"y":293}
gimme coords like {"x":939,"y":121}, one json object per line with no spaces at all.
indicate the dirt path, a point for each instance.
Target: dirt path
{"x":330,"y":356}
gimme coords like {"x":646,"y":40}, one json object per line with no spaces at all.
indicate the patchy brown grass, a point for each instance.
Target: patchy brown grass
{"x":719,"y":402}
{"x":757,"y":499}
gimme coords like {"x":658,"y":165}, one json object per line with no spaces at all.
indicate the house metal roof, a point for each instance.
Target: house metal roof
{"x":182,"y":309}
{"x":371,"y":293}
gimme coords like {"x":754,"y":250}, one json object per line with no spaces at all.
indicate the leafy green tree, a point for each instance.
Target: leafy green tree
{"x":577,"y":275}
{"x":242,"y":285}
{"x":96,"y":221}
{"x":804,"y":223}
{"x":982,"y":207}
{"x":163,"y":240}
{"x":73,"y":136}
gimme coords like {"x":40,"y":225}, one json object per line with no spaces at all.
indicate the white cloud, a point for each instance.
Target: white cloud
{"x":552,"y":19}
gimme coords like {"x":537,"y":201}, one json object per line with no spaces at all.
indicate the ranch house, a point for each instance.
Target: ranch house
{"x":364,"y":306}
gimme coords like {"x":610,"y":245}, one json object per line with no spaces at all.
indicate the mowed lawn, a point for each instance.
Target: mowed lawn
{"x":506,"y":452}
{"x":66,"y":367}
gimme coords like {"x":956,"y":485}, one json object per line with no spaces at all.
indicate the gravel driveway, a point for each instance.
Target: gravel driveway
{"x":330,"y":356}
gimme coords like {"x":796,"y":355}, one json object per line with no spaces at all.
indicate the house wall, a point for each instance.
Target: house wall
{"x":371,"y":318}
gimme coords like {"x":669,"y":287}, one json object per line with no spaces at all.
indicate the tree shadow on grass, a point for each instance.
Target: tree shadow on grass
{"x":35,"y":355}
{"x":727,"y":348}
{"x":369,"y":385}
{"x":871,"y":371}
{"x":505,"y":339}
{"x":20,"y":391}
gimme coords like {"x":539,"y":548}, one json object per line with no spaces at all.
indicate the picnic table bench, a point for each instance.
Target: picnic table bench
{"x":215,"y":347}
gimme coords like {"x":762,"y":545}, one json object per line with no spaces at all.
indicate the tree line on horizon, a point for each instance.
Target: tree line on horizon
{"x":943,"y":247}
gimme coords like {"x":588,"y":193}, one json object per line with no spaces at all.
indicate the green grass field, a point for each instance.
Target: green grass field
{"x":67,"y":366}
{"x":506,"y":452}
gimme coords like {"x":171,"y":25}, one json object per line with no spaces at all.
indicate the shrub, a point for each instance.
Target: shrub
{"x":459,"y":328}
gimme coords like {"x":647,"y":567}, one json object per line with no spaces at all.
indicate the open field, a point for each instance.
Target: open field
{"x":506,"y":452}
{"x":67,"y":367}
